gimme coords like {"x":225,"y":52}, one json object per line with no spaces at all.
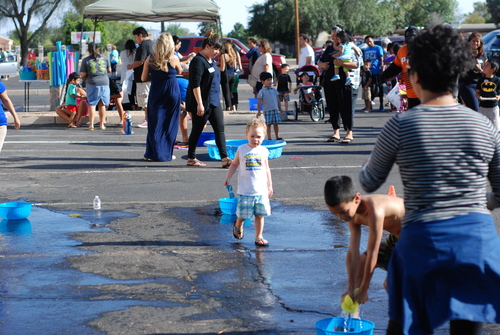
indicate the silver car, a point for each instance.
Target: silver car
{"x":8,"y":64}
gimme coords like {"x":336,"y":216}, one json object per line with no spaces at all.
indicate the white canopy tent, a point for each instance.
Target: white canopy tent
{"x":153,"y":10}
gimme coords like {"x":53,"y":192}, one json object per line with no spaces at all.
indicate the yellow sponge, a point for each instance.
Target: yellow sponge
{"x":348,"y":305}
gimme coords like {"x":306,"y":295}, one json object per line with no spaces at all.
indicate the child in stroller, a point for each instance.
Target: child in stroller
{"x":310,"y":98}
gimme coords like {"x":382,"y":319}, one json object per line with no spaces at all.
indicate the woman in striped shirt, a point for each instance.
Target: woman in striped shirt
{"x":446,"y":265}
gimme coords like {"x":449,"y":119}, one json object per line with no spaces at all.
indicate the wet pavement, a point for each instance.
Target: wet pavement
{"x":159,"y":258}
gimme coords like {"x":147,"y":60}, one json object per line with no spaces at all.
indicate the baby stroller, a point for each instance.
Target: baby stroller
{"x":316,"y":107}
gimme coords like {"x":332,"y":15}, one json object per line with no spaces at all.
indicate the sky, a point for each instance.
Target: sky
{"x":233,"y":11}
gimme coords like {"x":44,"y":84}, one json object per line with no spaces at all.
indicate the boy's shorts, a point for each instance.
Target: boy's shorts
{"x":344,"y":60}
{"x":284,"y":96}
{"x":366,"y":95}
{"x":385,"y":251}
{"x":272,"y":116}
{"x":71,"y":108}
{"x":250,"y":205}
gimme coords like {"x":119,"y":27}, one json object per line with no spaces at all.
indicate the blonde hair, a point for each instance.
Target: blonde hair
{"x":266,"y":46}
{"x":229,"y":50}
{"x":162,"y":51}
{"x":256,"y":123}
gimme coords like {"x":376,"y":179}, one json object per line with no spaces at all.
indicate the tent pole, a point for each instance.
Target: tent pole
{"x":162,"y":26}
{"x":220,"y":27}
{"x":81,"y":33}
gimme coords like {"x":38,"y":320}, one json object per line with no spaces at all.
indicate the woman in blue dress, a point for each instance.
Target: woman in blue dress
{"x":164,"y":100}
{"x":446,"y":265}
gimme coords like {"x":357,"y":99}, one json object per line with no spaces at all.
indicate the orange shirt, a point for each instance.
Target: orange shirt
{"x":401,"y":61}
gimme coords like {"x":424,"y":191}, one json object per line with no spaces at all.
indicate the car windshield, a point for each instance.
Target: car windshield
{"x":495,"y":43}
{"x":489,"y":36}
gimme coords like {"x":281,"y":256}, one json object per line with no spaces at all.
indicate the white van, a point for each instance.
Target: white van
{"x":8,"y":64}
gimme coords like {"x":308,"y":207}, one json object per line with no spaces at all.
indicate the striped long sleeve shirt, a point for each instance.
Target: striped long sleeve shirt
{"x":445,"y":154}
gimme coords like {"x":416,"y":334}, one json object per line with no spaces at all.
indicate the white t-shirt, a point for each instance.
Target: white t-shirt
{"x":252,"y":174}
{"x":258,"y":67}
{"x":305,"y":52}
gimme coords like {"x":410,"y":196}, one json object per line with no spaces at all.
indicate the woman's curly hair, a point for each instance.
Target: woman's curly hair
{"x":439,"y":56}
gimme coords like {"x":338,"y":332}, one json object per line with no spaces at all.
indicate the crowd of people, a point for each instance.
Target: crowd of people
{"x":443,"y":252}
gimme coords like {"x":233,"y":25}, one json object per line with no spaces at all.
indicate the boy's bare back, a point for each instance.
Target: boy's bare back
{"x":390,"y":208}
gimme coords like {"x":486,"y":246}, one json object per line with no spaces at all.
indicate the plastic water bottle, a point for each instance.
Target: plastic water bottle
{"x":97,"y":202}
{"x":127,"y":124}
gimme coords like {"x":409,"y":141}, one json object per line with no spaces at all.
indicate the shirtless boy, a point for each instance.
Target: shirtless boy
{"x":379,"y":213}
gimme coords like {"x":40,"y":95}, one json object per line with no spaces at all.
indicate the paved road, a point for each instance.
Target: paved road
{"x":159,"y":258}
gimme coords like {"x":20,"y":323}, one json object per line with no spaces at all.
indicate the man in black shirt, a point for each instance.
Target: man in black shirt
{"x":144,"y":50}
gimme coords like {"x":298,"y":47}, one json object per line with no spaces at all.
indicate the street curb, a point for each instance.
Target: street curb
{"x":50,"y":118}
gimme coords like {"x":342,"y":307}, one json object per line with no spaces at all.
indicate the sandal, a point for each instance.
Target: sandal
{"x":261,"y":242}
{"x":280,"y":139}
{"x":90,"y":128}
{"x":195,"y":162}
{"x":333,"y":139}
{"x":237,"y":233}
{"x":347,"y":140}
{"x":226,"y":163}
{"x":71,"y":126}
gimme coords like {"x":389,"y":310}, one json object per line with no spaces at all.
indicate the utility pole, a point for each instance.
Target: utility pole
{"x":297,"y":31}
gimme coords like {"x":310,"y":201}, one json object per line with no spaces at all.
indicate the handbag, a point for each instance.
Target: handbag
{"x":252,"y":81}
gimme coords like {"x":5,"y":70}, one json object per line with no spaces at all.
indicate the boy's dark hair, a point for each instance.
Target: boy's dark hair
{"x":439,"y":56}
{"x":343,"y":36}
{"x":493,"y":64}
{"x":254,"y":40}
{"x":265,"y":75}
{"x":367,"y":61}
{"x":140,"y":31}
{"x":339,"y":189}
{"x":284,"y":65}
{"x":369,"y":36}
{"x":305,"y":37}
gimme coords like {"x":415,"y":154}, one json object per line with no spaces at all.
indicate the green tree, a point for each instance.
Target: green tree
{"x":494,"y":9}
{"x":474,"y":18}
{"x":239,"y":32}
{"x":204,"y":27}
{"x":22,"y":12}
{"x":79,"y":5}
{"x":480,"y":11}
{"x":418,"y":12}
{"x":176,"y":29}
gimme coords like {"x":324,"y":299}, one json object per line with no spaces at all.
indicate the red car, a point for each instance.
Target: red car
{"x":193,"y":44}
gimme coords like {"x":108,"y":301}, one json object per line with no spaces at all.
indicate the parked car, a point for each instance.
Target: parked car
{"x":489,"y":36}
{"x":193,"y":44}
{"x":492,"y":48}
{"x":9,"y":65}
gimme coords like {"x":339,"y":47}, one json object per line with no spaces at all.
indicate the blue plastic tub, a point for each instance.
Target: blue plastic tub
{"x":275,"y":148}
{"x":205,"y":136}
{"x":337,"y":325}
{"x":15,"y":210}
{"x":228,"y":205}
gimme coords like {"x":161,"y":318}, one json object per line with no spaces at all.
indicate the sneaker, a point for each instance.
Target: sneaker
{"x":335,"y":77}
{"x":381,"y":109}
{"x":143,"y":125}
{"x":348,"y":80}
{"x":366,"y":110}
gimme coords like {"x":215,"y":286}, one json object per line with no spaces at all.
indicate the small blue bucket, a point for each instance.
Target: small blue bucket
{"x":338,"y":325}
{"x":228,"y":205}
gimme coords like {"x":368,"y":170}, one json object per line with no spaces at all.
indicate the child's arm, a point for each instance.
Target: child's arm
{"x":299,"y":85}
{"x":376,"y":224}
{"x":8,"y":103}
{"x":232,"y":168}
{"x":368,"y":83}
{"x":279,"y":103}
{"x":289,"y":85}
{"x":478,"y":95}
{"x":357,"y":50}
{"x":339,"y":52}
{"x":259,"y":102}
{"x":352,"y":258}
{"x":269,"y":179}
